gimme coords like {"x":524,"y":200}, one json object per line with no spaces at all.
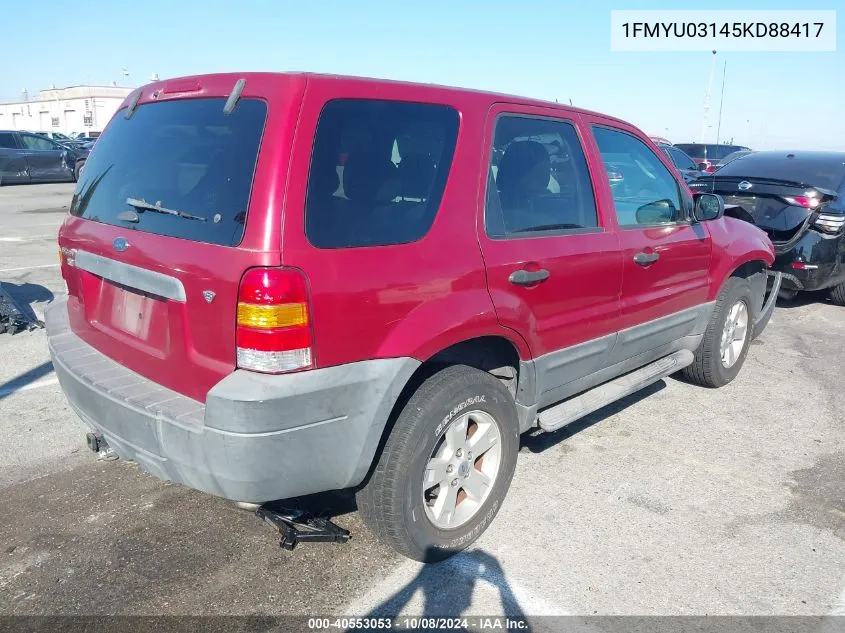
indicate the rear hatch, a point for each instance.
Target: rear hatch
{"x":172,"y":208}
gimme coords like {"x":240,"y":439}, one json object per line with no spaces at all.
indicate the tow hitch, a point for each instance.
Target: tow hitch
{"x":299,"y":526}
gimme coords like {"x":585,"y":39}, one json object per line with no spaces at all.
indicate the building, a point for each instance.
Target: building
{"x":67,"y":110}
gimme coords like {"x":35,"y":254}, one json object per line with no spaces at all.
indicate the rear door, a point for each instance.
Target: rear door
{"x":13,"y":166}
{"x":665,"y":257}
{"x":553,"y":264}
{"x":156,"y":291}
{"x":45,"y":158}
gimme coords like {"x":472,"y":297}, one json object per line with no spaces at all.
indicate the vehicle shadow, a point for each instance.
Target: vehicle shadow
{"x":803,"y":299}
{"x":539,"y":441}
{"x":446,"y":590}
{"x":26,"y":295}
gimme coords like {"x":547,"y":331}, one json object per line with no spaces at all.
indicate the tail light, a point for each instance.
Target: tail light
{"x":710,"y":169}
{"x":829,"y":222}
{"x":274,"y":333}
{"x":808,"y":202}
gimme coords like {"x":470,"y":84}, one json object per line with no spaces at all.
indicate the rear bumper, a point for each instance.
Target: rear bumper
{"x":819,"y":259}
{"x":257,"y":438}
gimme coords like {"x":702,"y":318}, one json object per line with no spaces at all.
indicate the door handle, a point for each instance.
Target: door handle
{"x":644,"y":259}
{"x":528,"y":277}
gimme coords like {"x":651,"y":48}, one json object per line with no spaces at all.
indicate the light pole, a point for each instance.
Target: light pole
{"x":721,"y":102}
{"x":707,"y":97}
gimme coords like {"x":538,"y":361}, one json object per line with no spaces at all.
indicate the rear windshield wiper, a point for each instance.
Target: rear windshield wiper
{"x":143,"y":205}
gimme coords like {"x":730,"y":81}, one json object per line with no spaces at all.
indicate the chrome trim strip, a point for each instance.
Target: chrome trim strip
{"x":132,"y":276}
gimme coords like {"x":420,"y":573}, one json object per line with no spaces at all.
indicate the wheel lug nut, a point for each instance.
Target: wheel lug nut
{"x":454,"y":482}
{"x":459,"y":453}
{"x":450,"y":468}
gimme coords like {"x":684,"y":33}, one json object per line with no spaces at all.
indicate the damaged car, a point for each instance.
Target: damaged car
{"x":798,"y":199}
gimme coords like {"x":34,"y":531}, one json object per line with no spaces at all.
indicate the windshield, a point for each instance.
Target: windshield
{"x":184,"y":155}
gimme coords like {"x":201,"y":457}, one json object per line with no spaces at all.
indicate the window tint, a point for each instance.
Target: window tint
{"x":7,"y":139}
{"x":31,"y":141}
{"x":378,"y":171}
{"x":538,"y":179}
{"x":644,"y":191}
{"x":681,"y":160}
{"x":186,"y":155}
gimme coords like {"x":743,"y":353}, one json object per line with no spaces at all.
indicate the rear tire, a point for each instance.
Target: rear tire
{"x":837,"y":294}
{"x":711,"y":367}
{"x":404,"y":504}
{"x":77,"y":169}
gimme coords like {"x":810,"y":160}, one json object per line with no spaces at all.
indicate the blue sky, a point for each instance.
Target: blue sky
{"x":547,"y":49}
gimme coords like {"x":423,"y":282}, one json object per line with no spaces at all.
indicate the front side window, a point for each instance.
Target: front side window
{"x":38,"y":143}
{"x":538,"y":180}
{"x":644,"y":191}
{"x":378,"y":172}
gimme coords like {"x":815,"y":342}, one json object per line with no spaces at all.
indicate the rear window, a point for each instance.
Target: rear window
{"x":826,"y":171}
{"x":186,"y":157}
{"x":378,"y":171}
{"x":711,"y":152}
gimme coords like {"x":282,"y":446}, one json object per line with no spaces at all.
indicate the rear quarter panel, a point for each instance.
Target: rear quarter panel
{"x":735,"y":242}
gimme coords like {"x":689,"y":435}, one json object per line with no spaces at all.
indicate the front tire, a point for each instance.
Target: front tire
{"x":837,"y":294}
{"x":445,"y":467}
{"x":728,"y":335}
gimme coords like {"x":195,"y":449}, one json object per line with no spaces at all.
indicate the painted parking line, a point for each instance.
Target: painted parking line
{"x":484,"y":588}
{"x":46,"y":382}
{"x":11,"y":270}
{"x":27,"y":238}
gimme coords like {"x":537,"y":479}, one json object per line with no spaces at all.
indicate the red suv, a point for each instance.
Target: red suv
{"x":281,"y":284}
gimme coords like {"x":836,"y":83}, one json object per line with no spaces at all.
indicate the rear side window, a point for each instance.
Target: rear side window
{"x":8,"y":140}
{"x":644,"y":191}
{"x":378,"y":172}
{"x":180,"y":168}
{"x":538,"y":181}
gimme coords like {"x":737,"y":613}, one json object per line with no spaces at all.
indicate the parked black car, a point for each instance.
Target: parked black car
{"x":683,"y":163}
{"x":28,"y":158}
{"x":798,"y":199}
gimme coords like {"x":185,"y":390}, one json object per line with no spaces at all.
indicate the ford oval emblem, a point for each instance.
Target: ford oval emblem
{"x":120,"y":244}
{"x":744,"y":185}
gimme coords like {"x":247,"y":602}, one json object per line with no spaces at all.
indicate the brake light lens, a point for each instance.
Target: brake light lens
{"x":274,"y":332}
{"x":803,"y":201}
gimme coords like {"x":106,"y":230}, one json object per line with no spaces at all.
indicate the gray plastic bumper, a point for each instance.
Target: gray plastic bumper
{"x":257,"y":437}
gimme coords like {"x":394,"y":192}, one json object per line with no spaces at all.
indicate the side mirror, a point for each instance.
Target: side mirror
{"x":657,"y":212}
{"x":708,"y":206}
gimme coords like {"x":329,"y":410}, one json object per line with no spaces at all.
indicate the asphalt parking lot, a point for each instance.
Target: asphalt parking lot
{"x":680,"y":500}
